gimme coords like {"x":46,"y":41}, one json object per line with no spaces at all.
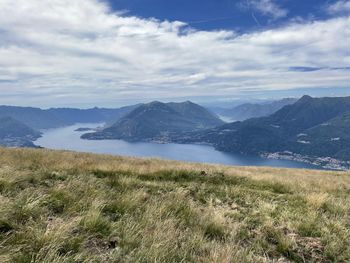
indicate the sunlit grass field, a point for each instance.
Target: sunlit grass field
{"x":72,"y":207}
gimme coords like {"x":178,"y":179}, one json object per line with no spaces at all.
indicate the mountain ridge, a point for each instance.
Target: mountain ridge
{"x":279,"y":132}
{"x":38,"y":118}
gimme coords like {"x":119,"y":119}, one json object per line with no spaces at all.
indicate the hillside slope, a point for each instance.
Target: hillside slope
{"x":16,"y":134}
{"x":331,"y":136}
{"x":70,"y":207}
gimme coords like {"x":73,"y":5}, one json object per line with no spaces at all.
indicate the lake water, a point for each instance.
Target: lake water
{"x":67,"y":138}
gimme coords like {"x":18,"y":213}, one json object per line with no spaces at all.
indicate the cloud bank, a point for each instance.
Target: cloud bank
{"x":63,"y":51}
{"x":340,"y":7}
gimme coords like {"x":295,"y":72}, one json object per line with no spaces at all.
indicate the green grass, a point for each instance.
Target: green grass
{"x":70,"y":207}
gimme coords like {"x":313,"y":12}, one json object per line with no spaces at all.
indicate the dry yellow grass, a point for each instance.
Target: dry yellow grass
{"x":58,"y":206}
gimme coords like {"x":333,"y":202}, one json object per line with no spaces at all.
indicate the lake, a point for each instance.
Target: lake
{"x":67,"y":138}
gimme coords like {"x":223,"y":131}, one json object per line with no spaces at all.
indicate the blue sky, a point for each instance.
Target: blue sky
{"x":109,"y":53}
{"x":225,"y":14}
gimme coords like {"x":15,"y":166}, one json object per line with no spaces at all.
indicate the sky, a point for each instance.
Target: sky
{"x":85,"y":53}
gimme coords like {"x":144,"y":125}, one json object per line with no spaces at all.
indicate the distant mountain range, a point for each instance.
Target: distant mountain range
{"x":311,"y":130}
{"x":93,"y":115}
{"x":252,"y":110}
{"x":158,"y":121}
{"x":33,"y":117}
{"x":37,"y":118}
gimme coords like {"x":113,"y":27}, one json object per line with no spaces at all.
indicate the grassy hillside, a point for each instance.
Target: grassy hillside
{"x":70,"y":207}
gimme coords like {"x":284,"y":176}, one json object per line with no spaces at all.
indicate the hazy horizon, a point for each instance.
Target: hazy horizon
{"x":224,"y":102}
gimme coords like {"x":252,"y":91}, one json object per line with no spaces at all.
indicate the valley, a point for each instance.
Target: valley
{"x":311,"y":131}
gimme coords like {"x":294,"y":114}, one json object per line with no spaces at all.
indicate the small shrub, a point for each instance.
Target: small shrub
{"x":214,"y":231}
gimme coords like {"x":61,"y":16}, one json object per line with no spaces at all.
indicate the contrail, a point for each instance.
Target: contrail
{"x":255,"y":19}
{"x":253,"y":15}
{"x":210,"y":20}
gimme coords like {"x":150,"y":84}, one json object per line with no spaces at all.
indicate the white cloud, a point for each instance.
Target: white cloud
{"x":267,"y":8}
{"x":339,"y":7}
{"x":63,"y":51}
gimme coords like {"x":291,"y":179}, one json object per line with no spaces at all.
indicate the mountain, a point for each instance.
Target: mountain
{"x":156,"y":121}
{"x":33,"y":117}
{"x":254,"y":110}
{"x":312,"y":127}
{"x":198,"y":114}
{"x":14,"y":133}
